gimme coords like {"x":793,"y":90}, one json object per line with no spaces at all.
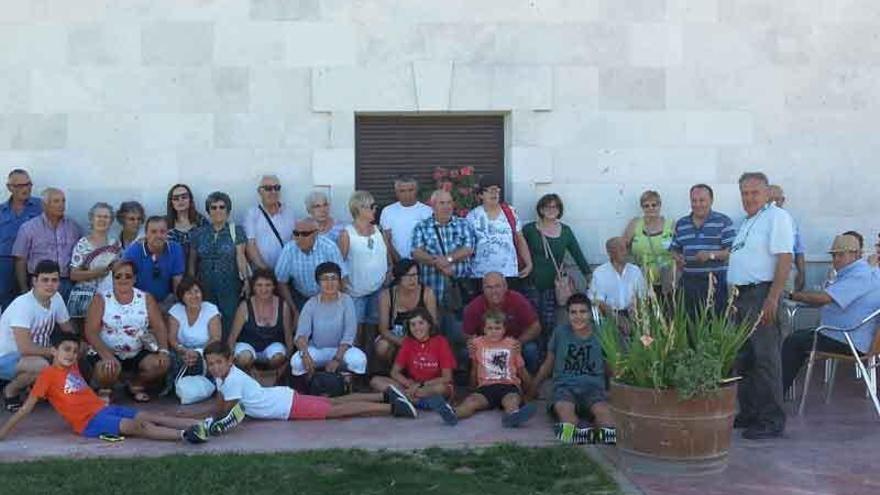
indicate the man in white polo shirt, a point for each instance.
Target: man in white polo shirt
{"x":616,"y":284}
{"x":759,"y":265}
{"x":268,"y":225}
{"x":25,"y":329}
{"x":399,"y":219}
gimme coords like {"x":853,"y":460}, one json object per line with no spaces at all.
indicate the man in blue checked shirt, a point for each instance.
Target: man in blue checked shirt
{"x":701,"y":244}
{"x":296,"y":264}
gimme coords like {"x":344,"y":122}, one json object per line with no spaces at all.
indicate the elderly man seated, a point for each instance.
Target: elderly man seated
{"x":852,"y":296}
{"x":616,"y":284}
{"x":521,"y":319}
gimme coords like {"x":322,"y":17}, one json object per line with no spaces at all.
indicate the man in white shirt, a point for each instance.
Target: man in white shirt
{"x":25,"y":330}
{"x":399,"y":219}
{"x":268,"y":225}
{"x":758,"y":268}
{"x":616,"y":284}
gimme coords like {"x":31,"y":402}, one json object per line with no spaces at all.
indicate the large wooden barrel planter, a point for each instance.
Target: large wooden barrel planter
{"x":658,"y":431}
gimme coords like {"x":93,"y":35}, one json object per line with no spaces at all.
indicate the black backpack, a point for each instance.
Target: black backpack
{"x":328,"y":384}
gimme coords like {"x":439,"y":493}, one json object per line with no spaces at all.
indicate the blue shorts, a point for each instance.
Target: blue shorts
{"x":107,"y":421}
{"x":584,"y":397}
{"x":8,"y":363}
{"x":367,"y":308}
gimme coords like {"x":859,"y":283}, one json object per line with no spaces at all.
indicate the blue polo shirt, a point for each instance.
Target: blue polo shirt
{"x":856,"y":294}
{"x":9,"y":225}
{"x":155,"y":277}
{"x":715,"y":234}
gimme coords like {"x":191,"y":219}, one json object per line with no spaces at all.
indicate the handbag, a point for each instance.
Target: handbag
{"x":193,"y":388}
{"x":563,"y":285}
{"x":511,"y":219}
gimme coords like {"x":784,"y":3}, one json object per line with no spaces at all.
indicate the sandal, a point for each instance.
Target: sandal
{"x":138,"y":395}
{"x":12,"y":404}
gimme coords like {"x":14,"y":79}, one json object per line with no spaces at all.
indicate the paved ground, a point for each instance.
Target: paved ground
{"x":832,"y":450}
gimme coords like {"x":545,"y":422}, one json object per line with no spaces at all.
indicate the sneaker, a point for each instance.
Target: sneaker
{"x":609,"y":436}
{"x":518,"y":417}
{"x":403,"y":408}
{"x":232,"y":419}
{"x":196,"y":433}
{"x":391,"y":394}
{"x":741,"y":421}
{"x":446,"y":411}
{"x":565,"y":432}
{"x":762,"y":432}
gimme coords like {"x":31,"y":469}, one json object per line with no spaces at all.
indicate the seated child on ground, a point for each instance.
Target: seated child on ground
{"x":69,"y":394}
{"x":423,"y":366}
{"x":578,"y":377}
{"x":499,"y":371}
{"x":237,"y":390}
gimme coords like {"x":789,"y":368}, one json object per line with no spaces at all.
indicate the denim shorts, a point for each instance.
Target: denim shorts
{"x":107,"y":421}
{"x":367,"y":308}
{"x":8,"y":363}
{"x":582,"y":396}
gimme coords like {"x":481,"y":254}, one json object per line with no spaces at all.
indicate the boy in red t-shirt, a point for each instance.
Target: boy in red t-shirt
{"x":423,"y":366}
{"x":498,"y":368}
{"x":69,"y":394}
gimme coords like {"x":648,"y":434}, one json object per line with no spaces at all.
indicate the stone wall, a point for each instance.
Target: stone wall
{"x":603,"y":98}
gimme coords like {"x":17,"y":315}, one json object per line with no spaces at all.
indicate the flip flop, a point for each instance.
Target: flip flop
{"x":138,"y":395}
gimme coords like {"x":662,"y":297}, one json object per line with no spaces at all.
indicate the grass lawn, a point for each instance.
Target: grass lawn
{"x":502,"y":469}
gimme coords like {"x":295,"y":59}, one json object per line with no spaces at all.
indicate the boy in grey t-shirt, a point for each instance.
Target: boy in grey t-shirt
{"x":574,"y":355}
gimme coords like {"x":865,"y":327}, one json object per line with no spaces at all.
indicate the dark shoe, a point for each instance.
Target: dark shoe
{"x":12,"y":404}
{"x":196,"y":434}
{"x":223,"y":425}
{"x":762,"y":432}
{"x":518,"y":417}
{"x":403,"y":408}
{"x":391,"y":394}
{"x":741,"y":421}
{"x":439,"y":405}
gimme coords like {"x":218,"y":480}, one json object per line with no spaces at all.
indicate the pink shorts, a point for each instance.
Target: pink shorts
{"x":309,"y":407}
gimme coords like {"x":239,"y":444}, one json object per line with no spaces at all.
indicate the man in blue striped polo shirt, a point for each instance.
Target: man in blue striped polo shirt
{"x":701,"y":243}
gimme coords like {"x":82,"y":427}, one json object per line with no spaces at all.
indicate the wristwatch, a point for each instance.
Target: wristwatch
{"x":449,"y":259}
{"x":712,"y":256}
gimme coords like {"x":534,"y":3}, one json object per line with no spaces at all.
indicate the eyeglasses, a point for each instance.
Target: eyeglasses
{"x":179,"y":197}
{"x":124,"y":276}
{"x":321,"y":205}
{"x":328,"y":278}
{"x":274,"y":187}
{"x":218,"y":207}
{"x":303,"y":233}
{"x":650,"y":205}
{"x":410,"y":275}
{"x":22,"y":185}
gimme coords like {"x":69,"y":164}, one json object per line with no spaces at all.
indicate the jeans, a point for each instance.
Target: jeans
{"x":695,"y":288}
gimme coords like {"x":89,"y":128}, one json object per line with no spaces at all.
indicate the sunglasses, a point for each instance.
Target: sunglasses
{"x":303,"y":233}
{"x":179,"y":197}
{"x":123,"y":276}
{"x":276,"y":188}
{"x":20,"y":186}
{"x":218,"y":207}
{"x":320,"y":205}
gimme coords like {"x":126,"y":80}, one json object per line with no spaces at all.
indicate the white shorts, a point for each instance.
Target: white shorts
{"x":266,"y":354}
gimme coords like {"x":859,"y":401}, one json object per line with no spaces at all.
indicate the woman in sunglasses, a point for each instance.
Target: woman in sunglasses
{"x":650,"y":236}
{"x":217,"y":257}
{"x":128,"y":337}
{"x":364,"y":250}
{"x":182,"y":215}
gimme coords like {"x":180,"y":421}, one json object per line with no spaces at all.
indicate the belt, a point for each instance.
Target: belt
{"x":755,"y":285}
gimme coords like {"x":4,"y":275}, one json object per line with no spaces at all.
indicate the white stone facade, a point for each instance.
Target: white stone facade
{"x":603,"y":98}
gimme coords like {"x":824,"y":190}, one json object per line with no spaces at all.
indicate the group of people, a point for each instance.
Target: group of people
{"x":417,"y":297}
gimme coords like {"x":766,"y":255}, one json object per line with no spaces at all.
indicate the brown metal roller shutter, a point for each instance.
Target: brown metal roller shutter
{"x":388,"y":146}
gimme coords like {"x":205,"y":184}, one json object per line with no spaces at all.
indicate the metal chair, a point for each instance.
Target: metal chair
{"x":866,"y":364}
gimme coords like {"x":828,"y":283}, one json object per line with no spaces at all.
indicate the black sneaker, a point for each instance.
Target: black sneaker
{"x":762,"y":432}
{"x":518,"y":417}
{"x":196,"y":433}
{"x":391,"y":394}
{"x":741,"y":421}
{"x":232,"y":419}
{"x":403,"y":408}
{"x":440,"y":406}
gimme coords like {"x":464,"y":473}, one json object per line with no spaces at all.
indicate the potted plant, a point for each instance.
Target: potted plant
{"x":460,"y":182}
{"x":672,"y":394}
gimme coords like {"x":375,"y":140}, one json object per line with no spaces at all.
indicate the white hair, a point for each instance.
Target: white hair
{"x":315,"y":196}
{"x":49,"y":192}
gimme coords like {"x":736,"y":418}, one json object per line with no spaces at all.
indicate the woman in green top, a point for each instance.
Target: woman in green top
{"x":650,"y":236}
{"x":560,"y":240}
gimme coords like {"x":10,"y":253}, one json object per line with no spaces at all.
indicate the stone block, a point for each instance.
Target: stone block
{"x":230,"y":89}
{"x":33,"y":131}
{"x":531,"y":165}
{"x":638,"y":129}
{"x":575,"y":87}
{"x":836,"y":88}
{"x":692,"y":10}
{"x":177,"y":130}
{"x":333,"y":167}
{"x":103,"y":44}
{"x":285,"y":10}
{"x":850,"y":43}
{"x":15,"y":91}
{"x":471,"y":87}
{"x":633,"y":10}
{"x":307,"y":130}
{"x":694,"y":87}
{"x":280,"y":89}
{"x":433,"y":82}
{"x":342,"y":129}
{"x":388,"y":89}
{"x":718,"y":128}
{"x":655,"y":45}
{"x":321,"y":44}
{"x":469,"y":43}
{"x":522,"y":87}
{"x":251,"y":130}
{"x":104,"y":130}
{"x":599,"y":43}
{"x":557,"y":128}
{"x":67,"y":90}
{"x":632,"y":88}
{"x":32,"y":45}
{"x":386,"y":41}
{"x":732,"y":47}
{"x":239,"y":43}
{"x":635,"y":165}
{"x":177,"y":43}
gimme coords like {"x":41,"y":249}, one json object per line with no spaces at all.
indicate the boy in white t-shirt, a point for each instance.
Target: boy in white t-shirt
{"x":25,"y":329}
{"x":236,"y":388}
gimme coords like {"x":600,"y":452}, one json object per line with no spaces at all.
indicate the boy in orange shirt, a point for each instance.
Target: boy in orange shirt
{"x":69,"y":394}
{"x":499,"y":371}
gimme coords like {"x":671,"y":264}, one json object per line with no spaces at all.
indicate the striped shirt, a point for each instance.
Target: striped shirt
{"x":298,"y":267}
{"x":715,"y":234}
